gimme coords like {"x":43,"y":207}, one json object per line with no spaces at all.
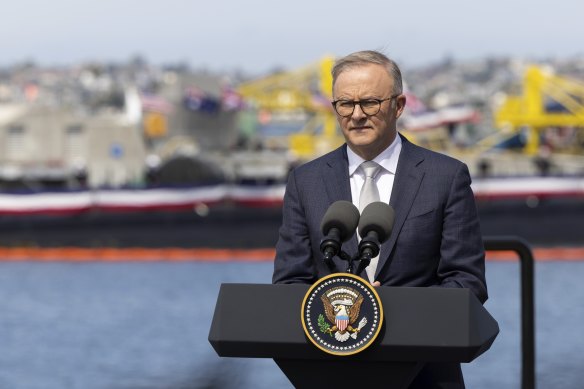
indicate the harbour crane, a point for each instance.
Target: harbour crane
{"x":307,"y":90}
{"x":547,"y":100}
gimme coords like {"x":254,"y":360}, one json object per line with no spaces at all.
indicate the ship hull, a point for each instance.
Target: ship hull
{"x":550,"y":223}
{"x":544,"y":212}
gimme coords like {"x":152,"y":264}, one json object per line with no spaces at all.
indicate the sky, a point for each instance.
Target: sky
{"x":257,"y":36}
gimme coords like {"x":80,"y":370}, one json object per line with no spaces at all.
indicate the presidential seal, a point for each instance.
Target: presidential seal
{"x":342,"y":314}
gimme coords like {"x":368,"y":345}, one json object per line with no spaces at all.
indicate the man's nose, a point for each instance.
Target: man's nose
{"x":358,"y":112}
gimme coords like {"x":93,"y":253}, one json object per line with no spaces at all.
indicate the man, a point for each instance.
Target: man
{"x":436,"y":239}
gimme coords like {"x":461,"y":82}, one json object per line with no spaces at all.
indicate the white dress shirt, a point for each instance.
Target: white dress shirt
{"x":384,"y":180}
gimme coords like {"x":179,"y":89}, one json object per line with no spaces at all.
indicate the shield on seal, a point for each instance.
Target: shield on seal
{"x":342,"y":322}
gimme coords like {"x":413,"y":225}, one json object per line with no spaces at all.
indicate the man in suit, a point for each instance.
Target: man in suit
{"x":436,"y":239}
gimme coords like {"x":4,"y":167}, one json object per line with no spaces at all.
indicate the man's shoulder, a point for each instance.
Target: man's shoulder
{"x":332,"y":157}
{"x":427,"y":155}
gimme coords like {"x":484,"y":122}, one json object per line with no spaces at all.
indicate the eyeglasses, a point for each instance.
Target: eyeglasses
{"x":369,"y":107}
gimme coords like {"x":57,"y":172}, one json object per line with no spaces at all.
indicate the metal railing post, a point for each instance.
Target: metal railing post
{"x":511,"y":243}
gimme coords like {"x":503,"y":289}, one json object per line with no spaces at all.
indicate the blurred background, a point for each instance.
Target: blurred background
{"x":146,"y":145}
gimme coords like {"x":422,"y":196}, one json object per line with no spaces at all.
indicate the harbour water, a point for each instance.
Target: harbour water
{"x":144,"y":325}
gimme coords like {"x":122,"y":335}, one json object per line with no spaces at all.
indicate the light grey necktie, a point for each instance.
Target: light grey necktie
{"x":369,"y":191}
{"x":369,"y":194}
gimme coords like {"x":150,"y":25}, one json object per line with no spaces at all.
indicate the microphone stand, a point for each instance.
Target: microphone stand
{"x":364,"y":261}
{"x":328,"y":260}
{"x":346,"y":257}
{"x":368,"y":249}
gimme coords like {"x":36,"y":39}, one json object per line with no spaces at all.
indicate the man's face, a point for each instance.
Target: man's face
{"x":368,"y":135}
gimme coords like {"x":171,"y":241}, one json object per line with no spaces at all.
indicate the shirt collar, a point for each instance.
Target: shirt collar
{"x":387,"y":158}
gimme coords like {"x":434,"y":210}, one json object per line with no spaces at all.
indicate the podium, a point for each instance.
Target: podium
{"x":421,"y":325}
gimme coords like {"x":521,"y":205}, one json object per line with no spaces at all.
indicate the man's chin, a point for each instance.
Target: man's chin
{"x":362,"y":140}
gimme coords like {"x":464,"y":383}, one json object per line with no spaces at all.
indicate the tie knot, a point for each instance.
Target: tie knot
{"x":370,"y":168}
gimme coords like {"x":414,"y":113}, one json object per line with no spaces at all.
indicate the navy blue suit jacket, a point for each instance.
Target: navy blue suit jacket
{"x":436,"y":239}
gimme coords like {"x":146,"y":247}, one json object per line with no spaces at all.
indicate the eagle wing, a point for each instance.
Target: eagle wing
{"x":328,"y":309}
{"x":354,"y":314}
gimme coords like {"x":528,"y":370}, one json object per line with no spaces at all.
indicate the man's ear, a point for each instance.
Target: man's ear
{"x":400,"y":105}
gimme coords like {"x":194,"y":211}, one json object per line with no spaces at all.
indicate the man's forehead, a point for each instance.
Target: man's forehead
{"x":363,"y":78}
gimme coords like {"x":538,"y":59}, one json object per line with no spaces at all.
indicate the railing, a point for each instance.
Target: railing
{"x":518,"y":245}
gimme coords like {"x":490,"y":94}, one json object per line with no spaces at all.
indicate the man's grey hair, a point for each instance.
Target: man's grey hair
{"x":366,"y":57}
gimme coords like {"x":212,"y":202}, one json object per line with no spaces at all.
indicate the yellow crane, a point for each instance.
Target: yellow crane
{"x":528,"y":110}
{"x":309,"y":90}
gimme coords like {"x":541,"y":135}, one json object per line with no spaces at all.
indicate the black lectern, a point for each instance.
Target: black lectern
{"x":421,"y":325}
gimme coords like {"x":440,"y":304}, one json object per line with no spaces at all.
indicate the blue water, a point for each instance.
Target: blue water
{"x":145,"y":325}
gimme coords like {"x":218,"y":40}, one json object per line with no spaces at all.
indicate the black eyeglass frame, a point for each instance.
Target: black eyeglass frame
{"x":355,"y":102}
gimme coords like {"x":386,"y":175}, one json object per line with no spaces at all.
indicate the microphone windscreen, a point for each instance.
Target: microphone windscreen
{"x":379,"y":217}
{"x":342,"y":215}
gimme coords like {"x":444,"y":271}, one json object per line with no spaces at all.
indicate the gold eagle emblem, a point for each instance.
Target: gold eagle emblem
{"x":341,"y":306}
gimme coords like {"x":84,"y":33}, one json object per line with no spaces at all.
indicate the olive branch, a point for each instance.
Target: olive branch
{"x":323,"y":325}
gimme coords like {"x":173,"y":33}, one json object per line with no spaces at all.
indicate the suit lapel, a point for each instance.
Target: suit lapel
{"x":335,"y":176}
{"x":406,"y":184}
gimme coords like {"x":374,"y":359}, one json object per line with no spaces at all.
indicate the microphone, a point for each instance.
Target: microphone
{"x":375,"y":228}
{"x":338,"y":225}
